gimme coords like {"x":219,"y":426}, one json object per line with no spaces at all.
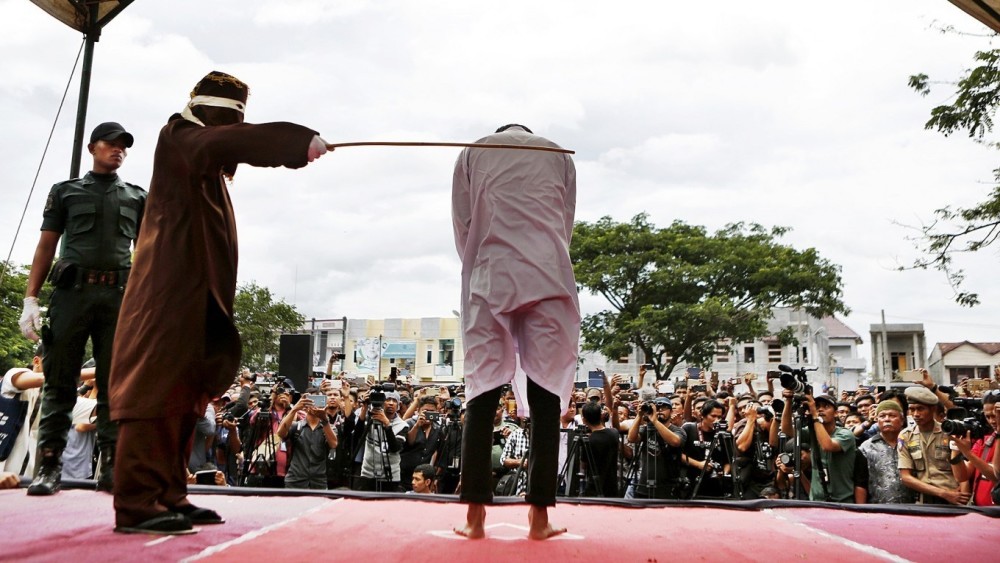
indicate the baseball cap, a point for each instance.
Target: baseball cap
{"x":109,"y":131}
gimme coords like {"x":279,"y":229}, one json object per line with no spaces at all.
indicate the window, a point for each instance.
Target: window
{"x":805,"y":355}
{"x":430,"y":356}
{"x":446,"y":353}
{"x":748,"y":354}
{"x":774,"y":353}
{"x":722,"y":351}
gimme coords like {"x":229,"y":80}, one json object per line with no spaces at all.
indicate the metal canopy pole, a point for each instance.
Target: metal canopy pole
{"x":93,"y":34}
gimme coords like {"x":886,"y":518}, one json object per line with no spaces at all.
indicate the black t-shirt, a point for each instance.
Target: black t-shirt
{"x":660,"y":465}
{"x":695,"y":446}
{"x":604,"y":446}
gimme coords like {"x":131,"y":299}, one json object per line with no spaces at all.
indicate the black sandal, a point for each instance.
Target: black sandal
{"x":166,"y":524}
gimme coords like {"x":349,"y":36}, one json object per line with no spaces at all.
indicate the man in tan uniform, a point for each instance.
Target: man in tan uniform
{"x":927,"y":465}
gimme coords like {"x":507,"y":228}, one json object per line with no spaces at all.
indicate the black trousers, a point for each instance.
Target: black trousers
{"x":76,"y":315}
{"x":543,"y":447}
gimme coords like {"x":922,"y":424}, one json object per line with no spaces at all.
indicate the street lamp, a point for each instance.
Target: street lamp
{"x":88,"y":17}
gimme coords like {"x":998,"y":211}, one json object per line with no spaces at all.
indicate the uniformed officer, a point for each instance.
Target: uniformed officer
{"x":98,"y":218}
{"x":927,"y":464}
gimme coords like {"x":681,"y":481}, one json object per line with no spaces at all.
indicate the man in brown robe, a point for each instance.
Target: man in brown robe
{"x":178,"y":346}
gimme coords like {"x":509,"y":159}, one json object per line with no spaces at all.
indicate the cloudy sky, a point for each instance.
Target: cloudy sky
{"x":783,"y":113}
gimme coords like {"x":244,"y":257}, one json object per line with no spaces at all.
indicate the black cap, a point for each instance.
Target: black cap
{"x":109,"y":131}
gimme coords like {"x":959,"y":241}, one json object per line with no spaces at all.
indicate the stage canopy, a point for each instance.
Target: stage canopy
{"x":76,"y":13}
{"x":986,"y":11}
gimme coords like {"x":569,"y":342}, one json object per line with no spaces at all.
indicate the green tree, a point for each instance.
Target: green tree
{"x":15,"y":349}
{"x":956,"y":230}
{"x":675,"y":292}
{"x":260,"y":320}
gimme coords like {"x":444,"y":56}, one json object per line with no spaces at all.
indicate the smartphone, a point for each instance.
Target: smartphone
{"x":628,"y":397}
{"x":648,"y":366}
{"x":693,"y":373}
{"x":581,"y":385}
{"x":911,"y":375}
{"x":625,"y":386}
{"x":205,"y":477}
{"x":698,"y":388}
{"x":319,"y":401}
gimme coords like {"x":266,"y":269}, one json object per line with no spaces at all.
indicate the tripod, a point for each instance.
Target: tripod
{"x":725,"y":440}
{"x":260,"y":465}
{"x":632,"y":474}
{"x":376,"y":435}
{"x":449,"y":459}
{"x":579,"y":455}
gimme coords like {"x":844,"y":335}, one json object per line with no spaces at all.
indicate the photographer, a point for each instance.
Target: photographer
{"x":660,"y":453}
{"x":227,"y":439}
{"x":926,"y":463}
{"x":385,"y":433}
{"x":604,"y":446}
{"x":979,"y":454}
{"x":350,"y":435}
{"x":698,"y":439}
{"x":422,"y":440}
{"x":310,"y":442}
{"x":754,"y":459}
{"x":833,"y":447}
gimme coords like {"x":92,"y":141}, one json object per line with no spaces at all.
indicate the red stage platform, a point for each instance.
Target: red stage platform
{"x":76,"y":526}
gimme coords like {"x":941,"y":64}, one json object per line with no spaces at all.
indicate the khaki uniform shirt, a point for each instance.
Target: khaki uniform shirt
{"x":927,"y":461}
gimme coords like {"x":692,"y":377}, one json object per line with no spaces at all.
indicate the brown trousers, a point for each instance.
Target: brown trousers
{"x":151,"y":466}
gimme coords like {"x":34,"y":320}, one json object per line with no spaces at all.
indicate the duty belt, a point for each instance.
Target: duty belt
{"x":108,"y":278}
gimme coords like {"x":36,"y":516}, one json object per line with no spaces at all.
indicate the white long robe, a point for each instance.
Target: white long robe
{"x":512,"y":212}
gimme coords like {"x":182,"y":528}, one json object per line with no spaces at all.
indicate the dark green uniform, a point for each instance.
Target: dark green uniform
{"x":98,"y":217}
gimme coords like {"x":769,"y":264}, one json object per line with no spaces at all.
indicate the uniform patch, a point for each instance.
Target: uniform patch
{"x":49,"y":203}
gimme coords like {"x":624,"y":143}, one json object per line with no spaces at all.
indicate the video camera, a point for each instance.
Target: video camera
{"x":376,"y":397}
{"x":795,"y":380}
{"x":967,"y":416}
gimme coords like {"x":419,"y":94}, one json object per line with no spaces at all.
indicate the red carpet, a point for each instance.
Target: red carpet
{"x":76,"y":526}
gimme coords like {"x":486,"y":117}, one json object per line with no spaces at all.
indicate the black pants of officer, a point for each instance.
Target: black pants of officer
{"x":76,"y":314}
{"x":543,"y":447}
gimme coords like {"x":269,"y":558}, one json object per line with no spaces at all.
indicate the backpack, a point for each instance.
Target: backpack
{"x":13,"y":412}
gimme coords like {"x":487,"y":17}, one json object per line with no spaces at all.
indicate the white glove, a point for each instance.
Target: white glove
{"x":317,"y":148}
{"x":31,"y":319}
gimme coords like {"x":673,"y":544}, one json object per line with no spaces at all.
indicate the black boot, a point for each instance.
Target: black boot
{"x":106,"y":469}
{"x":48,"y":479}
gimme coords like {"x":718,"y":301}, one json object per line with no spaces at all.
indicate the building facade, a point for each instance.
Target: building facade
{"x":950,"y":362}
{"x":896,"y":348}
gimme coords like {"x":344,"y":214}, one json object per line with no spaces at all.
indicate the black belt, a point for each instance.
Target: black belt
{"x":108,"y":278}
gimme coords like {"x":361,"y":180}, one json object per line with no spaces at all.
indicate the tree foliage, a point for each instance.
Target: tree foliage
{"x":15,"y":349}
{"x":957,"y":230}
{"x":675,"y":292}
{"x":261,"y":320}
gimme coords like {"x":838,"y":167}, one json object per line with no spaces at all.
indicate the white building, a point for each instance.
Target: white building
{"x":952,"y":361}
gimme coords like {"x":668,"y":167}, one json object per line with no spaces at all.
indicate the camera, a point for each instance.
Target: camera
{"x":647,"y":408}
{"x":960,"y":421}
{"x":795,"y":380}
{"x":228,"y":416}
{"x":720,"y":426}
{"x":432,"y":416}
{"x":376,"y":397}
{"x":786,"y":459}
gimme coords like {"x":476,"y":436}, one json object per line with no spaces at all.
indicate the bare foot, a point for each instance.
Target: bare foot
{"x":539,"y":527}
{"x":475,"y":523}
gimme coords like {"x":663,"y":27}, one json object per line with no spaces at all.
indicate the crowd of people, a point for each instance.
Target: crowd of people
{"x":619,"y":440}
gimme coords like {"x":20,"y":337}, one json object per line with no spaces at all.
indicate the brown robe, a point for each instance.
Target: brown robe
{"x":176,"y":345}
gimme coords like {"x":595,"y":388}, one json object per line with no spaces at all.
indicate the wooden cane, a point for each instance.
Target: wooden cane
{"x":331,"y":146}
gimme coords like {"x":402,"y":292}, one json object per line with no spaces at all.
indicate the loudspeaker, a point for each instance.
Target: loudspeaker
{"x":295,"y":359}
